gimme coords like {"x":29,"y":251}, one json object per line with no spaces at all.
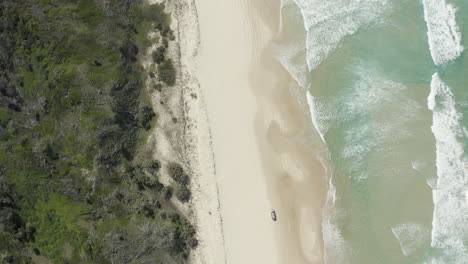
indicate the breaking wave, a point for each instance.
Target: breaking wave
{"x":450,"y":216}
{"x":442,"y":31}
{"x":328,"y":22}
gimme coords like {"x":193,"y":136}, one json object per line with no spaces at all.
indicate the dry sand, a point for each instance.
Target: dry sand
{"x":260,"y":132}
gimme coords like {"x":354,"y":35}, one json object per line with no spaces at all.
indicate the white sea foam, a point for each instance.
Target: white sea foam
{"x":450,"y":216}
{"x":328,"y":22}
{"x":336,"y":247}
{"x":442,"y":31}
{"x":313,"y":113}
{"x":411,"y":237}
{"x":367,"y":112}
{"x":361,"y":108}
{"x":290,"y":49}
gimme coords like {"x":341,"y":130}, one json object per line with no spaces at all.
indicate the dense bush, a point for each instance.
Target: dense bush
{"x":183,"y":193}
{"x":178,"y":174}
{"x":145,"y":115}
{"x":167,"y":72}
{"x":154,"y":166}
{"x":70,"y":127}
{"x":159,"y":55}
{"x":147,"y":211}
{"x":167,"y":192}
{"x":185,"y":236}
{"x":160,"y":19}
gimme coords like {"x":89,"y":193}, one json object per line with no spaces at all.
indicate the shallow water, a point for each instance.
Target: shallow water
{"x":388,"y":93}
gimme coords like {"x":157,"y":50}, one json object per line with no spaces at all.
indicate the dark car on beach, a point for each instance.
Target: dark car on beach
{"x":273,"y":214}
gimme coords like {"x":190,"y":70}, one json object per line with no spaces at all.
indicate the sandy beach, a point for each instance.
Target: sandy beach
{"x":258,"y":131}
{"x":247,"y":138}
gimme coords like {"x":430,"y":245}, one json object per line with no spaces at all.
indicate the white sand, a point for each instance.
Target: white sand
{"x":260,"y":133}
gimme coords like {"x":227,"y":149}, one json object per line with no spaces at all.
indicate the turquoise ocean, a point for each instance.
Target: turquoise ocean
{"x":387,"y":87}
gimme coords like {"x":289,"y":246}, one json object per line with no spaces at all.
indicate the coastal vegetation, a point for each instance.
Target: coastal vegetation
{"x":73,"y":111}
{"x":182,"y":179}
{"x":167,"y":72}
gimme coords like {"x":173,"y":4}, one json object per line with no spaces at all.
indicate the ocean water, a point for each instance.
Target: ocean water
{"x":387,"y":84}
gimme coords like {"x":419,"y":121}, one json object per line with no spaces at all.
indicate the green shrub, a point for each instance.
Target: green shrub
{"x":147,"y":211}
{"x":159,"y":55}
{"x":185,"y":236}
{"x":178,"y":174}
{"x":184,"y":194}
{"x":167,"y":72}
{"x":165,"y":43}
{"x":145,"y":116}
{"x":167,"y":192}
{"x":158,"y":87}
{"x":155,"y":13}
{"x":154,"y":166}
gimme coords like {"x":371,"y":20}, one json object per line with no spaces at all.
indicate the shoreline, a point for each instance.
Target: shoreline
{"x":285,"y":134}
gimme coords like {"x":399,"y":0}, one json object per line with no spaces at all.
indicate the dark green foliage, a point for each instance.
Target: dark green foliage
{"x":12,"y":226}
{"x":165,"y":43}
{"x":183,"y":193}
{"x":10,"y":221}
{"x":71,"y":118}
{"x":50,"y":152}
{"x":145,"y":116}
{"x":167,"y":72}
{"x":167,"y":192}
{"x":157,"y":186}
{"x":158,"y":87}
{"x":178,"y":174}
{"x":155,"y":165}
{"x":148,"y":211}
{"x":161,"y":20}
{"x":185,"y":236}
{"x":159,"y":55}
{"x":144,"y":181}
{"x":3,"y":133}
{"x":171,"y":35}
